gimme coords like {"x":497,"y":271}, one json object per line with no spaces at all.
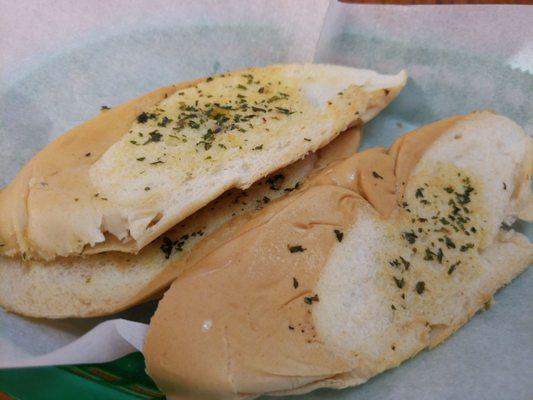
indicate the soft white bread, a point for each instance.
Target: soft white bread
{"x":108,"y":282}
{"x":374,"y":259}
{"x":120,"y":180}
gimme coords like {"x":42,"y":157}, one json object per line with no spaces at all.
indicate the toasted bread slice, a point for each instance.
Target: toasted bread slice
{"x":374,"y":259}
{"x":120,"y":180}
{"x":106,"y":283}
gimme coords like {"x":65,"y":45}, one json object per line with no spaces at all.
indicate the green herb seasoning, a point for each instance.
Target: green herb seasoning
{"x":155,"y":136}
{"x":452,"y":267}
{"x":400,"y":282}
{"x":410,"y":236}
{"x":311,"y":299}
{"x":166,"y":247}
{"x":296,"y":249}
{"x":144,"y":117}
{"x":420,"y":287}
{"x":275,"y":181}
{"x":285,"y":111}
{"x":406,"y":264}
{"x":466,"y":247}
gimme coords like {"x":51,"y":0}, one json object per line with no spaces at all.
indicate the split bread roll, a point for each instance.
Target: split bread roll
{"x":120,"y":180}
{"x":374,"y":259}
{"x":105,"y":283}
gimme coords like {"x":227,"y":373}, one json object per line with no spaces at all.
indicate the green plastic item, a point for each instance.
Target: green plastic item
{"x":122,"y":379}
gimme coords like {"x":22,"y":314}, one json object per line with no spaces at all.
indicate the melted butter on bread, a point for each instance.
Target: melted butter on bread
{"x":199,"y":129}
{"x":207,"y":129}
{"x":434,"y":244}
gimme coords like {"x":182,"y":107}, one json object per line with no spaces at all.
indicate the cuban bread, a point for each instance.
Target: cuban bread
{"x":372,"y":260}
{"x":120,"y":180}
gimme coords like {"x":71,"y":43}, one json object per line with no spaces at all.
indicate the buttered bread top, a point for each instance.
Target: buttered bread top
{"x":120,"y":180}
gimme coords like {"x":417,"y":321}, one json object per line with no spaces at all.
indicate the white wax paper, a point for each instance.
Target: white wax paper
{"x":60,"y":61}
